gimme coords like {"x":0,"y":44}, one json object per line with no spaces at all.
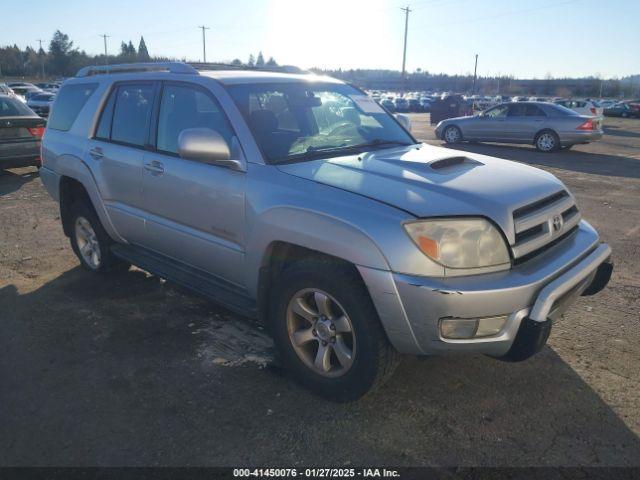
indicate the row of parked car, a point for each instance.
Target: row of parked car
{"x":38,"y":97}
{"x":423,"y":102}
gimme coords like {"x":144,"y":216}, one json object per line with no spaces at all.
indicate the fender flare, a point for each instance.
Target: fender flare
{"x":312,"y":230}
{"x":73,"y":167}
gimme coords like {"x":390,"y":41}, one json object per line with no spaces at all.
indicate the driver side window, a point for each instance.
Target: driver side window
{"x":498,"y":112}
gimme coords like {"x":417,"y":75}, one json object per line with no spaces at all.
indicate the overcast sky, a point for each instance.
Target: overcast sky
{"x":525,"y":38}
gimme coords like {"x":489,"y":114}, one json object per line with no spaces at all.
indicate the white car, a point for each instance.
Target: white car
{"x":582,"y":107}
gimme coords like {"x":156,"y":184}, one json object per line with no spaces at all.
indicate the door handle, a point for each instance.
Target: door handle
{"x":155,"y":167}
{"x":96,"y":153}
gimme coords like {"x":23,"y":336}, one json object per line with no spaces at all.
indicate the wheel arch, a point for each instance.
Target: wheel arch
{"x":77,"y":182}
{"x":543,"y":130}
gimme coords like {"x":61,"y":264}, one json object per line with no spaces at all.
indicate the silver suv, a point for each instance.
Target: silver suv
{"x":298,"y":200}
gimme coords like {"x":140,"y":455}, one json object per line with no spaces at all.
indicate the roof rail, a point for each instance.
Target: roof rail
{"x":171,"y":67}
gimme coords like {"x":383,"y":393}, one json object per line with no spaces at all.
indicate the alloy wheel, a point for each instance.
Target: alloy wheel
{"x":321,"y":332}
{"x":546,"y":142}
{"x":87,"y":242}
{"x":452,"y":135}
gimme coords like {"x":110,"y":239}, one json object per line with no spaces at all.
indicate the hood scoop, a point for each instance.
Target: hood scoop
{"x":449,"y":163}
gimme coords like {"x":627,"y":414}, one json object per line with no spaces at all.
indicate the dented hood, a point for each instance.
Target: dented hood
{"x":429,"y":181}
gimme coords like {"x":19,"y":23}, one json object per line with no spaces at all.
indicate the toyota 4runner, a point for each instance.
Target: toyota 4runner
{"x":299,"y":200}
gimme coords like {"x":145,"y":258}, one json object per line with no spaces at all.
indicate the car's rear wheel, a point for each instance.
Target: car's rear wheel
{"x":547,"y":141}
{"x":89,"y":240}
{"x":327,"y":331}
{"x":452,"y":134}
{"x":624,"y":115}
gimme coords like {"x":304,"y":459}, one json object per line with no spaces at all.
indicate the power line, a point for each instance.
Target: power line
{"x":204,"y":44}
{"x":406,"y":11}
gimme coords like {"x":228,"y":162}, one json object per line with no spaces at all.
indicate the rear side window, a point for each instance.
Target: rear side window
{"x":534,"y":111}
{"x":132,"y":113}
{"x":68,"y":104}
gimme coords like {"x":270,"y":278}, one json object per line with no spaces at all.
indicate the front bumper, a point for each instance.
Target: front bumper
{"x":535,"y":292}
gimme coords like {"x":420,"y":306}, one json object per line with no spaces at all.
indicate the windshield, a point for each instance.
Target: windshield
{"x":301,"y":121}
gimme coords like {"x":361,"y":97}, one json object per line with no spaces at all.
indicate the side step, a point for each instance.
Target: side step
{"x":220,"y":291}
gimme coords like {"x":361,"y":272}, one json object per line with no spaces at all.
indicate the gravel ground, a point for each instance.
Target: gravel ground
{"x":126,"y":369}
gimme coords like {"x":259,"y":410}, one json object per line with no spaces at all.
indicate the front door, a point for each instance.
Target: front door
{"x":489,"y":126}
{"x":194,"y":210}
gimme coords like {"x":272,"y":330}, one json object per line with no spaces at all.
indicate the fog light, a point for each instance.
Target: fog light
{"x":466,"y":328}
{"x":490,"y":325}
{"x":458,"y":327}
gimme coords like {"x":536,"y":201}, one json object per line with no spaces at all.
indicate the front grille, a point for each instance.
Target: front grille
{"x":541,"y":223}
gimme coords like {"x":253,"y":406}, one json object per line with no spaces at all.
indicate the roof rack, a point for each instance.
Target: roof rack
{"x":171,"y":67}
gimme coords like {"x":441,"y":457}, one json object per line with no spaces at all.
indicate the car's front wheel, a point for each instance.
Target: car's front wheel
{"x":327,"y":331}
{"x":452,"y":134}
{"x":547,"y":141}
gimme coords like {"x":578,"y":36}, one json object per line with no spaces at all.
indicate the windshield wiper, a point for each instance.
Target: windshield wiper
{"x":313,"y":152}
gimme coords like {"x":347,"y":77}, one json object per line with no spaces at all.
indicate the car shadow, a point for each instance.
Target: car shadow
{"x":618,"y":132}
{"x":118,"y":369}
{"x":571,"y":160}
{"x":12,"y":180}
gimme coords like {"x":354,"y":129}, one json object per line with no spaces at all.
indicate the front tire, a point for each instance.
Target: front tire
{"x":547,"y":141}
{"x":89,"y":240}
{"x":452,"y":134}
{"x":327,"y":332}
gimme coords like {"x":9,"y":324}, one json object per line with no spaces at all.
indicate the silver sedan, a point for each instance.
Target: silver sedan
{"x":547,"y":126}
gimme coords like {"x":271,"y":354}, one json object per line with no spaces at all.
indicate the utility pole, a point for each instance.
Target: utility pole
{"x":41,"y":55}
{"x":106,"y":56}
{"x":406,"y":11}
{"x":475,"y":71}
{"x":204,"y":44}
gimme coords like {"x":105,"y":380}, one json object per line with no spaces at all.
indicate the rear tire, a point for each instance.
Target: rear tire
{"x":89,"y":240}
{"x":360,"y":357}
{"x":452,"y":134}
{"x":547,"y":141}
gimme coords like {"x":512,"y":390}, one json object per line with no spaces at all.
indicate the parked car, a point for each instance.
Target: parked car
{"x":41,"y":103}
{"x":620,"y":109}
{"x":582,"y":107}
{"x":414,"y":105}
{"x":350,"y":239}
{"x":23,"y":91}
{"x":20,"y":134}
{"x":388,"y":104}
{"x":401,"y":104}
{"x":5,"y":89}
{"x":547,"y":126}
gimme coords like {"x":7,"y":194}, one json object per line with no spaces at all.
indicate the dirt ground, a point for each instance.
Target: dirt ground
{"x":126,"y":369}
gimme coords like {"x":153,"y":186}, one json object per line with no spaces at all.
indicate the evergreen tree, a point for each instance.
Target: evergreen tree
{"x":62,"y":53}
{"x":260,"y":60}
{"x":251,"y":62}
{"x":143,"y":53}
{"x":271,"y":62}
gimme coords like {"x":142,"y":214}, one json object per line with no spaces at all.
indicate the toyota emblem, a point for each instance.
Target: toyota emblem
{"x":557,"y":223}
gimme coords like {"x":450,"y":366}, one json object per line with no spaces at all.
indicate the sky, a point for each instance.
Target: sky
{"x":524,"y":38}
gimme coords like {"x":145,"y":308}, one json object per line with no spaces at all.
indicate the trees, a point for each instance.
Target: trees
{"x":62,"y":54}
{"x":260,"y":60}
{"x":143,"y":53}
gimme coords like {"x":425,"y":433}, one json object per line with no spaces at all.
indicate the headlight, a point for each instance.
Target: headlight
{"x":460,"y":243}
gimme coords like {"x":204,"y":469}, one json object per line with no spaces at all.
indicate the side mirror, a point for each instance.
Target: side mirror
{"x":207,"y":146}
{"x":404,"y":120}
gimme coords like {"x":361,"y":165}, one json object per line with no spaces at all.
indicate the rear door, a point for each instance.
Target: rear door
{"x":524,"y":120}
{"x":116,"y":153}
{"x":194,"y":210}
